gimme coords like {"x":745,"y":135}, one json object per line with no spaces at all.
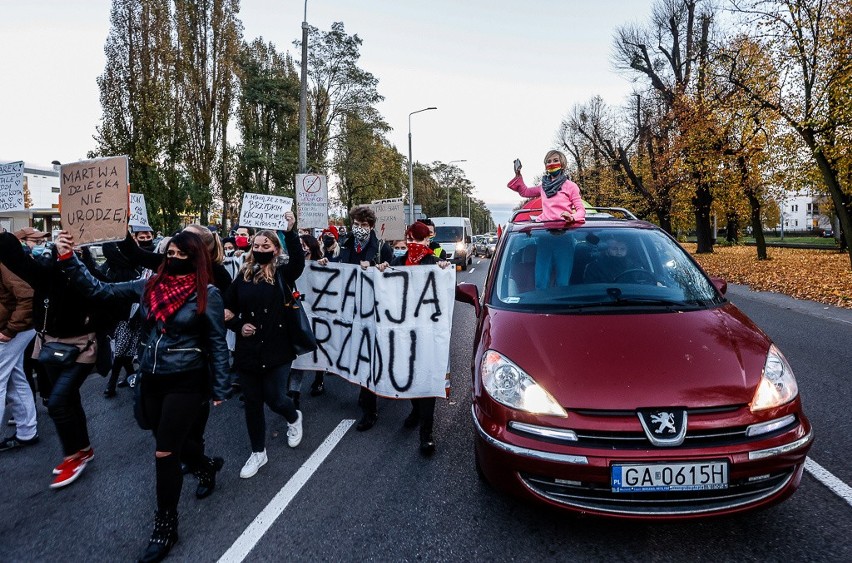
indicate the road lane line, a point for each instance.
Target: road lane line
{"x":471,"y":270}
{"x":478,"y":262}
{"x":822,"y":475}
{"x":252,"y":534}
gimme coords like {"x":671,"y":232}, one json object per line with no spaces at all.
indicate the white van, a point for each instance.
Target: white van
{"x":455,"y":236}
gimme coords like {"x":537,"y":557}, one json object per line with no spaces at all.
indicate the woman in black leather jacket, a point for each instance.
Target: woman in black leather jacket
{"x":183,"y":340}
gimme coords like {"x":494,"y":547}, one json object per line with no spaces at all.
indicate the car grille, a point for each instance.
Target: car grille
{"x":600,"y":498}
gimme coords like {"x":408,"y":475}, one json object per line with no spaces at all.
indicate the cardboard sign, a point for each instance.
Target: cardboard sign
{"x":390,"y":218}
{"x":311,"y":201}
{"x":138,"y":211}
{"x":12,"y":186}
{"x":389,"y":332}
{"x":93,"y":199}
{"x":263,"y":211}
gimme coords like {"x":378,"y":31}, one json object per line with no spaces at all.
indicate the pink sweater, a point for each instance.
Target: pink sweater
{"x":566,"y":199}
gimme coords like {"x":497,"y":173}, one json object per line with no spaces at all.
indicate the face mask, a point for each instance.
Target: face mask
{"x":147,"y":245}
{"x":361,"y":233}
{"x":39,"y":249}
{"x":229,"y":252}
{"x":241,"y":241}
{"x":328,"y":242}
{"x":398,"y":252}
{"x":179,"y":266}
{"x":553,"y":168}
{"x":262,"y":258}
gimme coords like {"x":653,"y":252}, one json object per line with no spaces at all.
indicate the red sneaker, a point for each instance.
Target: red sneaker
{"x":73,"y":468}
{"x":85,"y":455}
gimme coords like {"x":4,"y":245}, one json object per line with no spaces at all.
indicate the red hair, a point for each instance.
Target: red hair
{"x":197,"y":252}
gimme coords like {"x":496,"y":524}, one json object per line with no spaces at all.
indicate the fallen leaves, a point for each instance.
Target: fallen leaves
{"x":818,"y":275}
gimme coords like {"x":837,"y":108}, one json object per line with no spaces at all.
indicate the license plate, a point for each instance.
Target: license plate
{"x":669,"y":477}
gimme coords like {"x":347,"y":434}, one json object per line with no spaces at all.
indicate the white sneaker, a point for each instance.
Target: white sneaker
{"x":255,"y":461}
{"x":294,"y":431}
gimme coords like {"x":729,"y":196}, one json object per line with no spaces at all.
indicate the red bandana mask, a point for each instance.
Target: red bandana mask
{"x":416,"y":252}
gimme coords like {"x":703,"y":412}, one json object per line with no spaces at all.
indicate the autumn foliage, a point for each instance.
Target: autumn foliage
{"x":817,"y":275}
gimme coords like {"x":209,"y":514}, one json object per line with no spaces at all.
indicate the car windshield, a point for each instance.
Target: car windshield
{"x":585,"y":270}
{"x":449,"y":234}
{"x":492,"y":240}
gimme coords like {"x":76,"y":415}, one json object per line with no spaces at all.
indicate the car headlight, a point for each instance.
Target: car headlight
{"x":509,"y":385}
{"x":460,"y":246}
{"x":777,"y":384}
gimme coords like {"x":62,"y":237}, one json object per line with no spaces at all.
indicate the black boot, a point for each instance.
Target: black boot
{"x":164,"y":536}
{"x":318,"y":386}
{"x":427,"y":442}
{"x":368,"y":420}
{"x":206,"y":474}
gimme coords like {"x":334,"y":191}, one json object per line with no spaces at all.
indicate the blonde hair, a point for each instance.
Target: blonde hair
{"x":252,"y":271}
{"x":211,"y":240}
{"x":561,"y":155}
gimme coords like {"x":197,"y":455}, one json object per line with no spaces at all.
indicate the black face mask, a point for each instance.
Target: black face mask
{"x":328,"y":242}
{"x":147,"y":245}
{"x":262,"y":258}
{"x":179,"y":266}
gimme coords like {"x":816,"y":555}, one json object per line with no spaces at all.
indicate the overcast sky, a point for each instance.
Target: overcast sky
{"x":502,"y":73}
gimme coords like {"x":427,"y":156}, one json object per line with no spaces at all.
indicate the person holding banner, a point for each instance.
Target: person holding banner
{"x":256,"y":303}
{"x":419,"y":253}
{"x":183,"y":340}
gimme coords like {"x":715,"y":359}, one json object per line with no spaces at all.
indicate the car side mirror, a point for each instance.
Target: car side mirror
{"x":468,"y":293}
{"x":719,"y":283}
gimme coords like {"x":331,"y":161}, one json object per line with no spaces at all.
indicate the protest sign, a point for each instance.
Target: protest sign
{"x":93,"y":199}
{"x":390,"y":220}
{"x":311,"y":201}
{"x":389,"y":332}
{"x":263,"y":211}
{"x":138,"y":211}
{"x":12,"y":186}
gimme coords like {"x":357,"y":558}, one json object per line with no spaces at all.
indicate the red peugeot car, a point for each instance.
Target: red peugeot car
{"x":612,"y":377}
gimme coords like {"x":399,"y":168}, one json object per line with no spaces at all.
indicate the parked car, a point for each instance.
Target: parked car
{"x":627,"y":386}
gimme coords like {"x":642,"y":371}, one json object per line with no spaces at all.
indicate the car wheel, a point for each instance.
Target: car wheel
{"x":464,"y":265}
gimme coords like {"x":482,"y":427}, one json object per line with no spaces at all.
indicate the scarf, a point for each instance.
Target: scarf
{"x":416,"y":252}
{"x":169,"y":294}
{"x":550,"y":185}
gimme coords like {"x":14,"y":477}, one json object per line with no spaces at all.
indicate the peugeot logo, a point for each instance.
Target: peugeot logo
{"x":664,"y":427}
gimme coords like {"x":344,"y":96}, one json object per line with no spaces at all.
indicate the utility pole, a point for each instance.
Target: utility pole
{"x":303,"y":99}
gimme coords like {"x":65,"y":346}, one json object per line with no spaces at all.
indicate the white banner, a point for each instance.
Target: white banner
{"x":311,"y":201}
{"x":389,"y":332}
{"x":12,"y":186}
{"x":263,"y":211}
{"x":390,"y":219}
{"x":138,"y":211}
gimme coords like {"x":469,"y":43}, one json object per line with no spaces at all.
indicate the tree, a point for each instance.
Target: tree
{"x":809,"y":43}
{"x":338,"y":89}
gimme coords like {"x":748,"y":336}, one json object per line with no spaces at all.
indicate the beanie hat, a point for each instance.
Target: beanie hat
{"x":332,"y":230}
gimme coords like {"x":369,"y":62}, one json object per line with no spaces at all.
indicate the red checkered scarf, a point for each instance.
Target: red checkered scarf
{"x":168,"y":294}
{"x":416,"y":253}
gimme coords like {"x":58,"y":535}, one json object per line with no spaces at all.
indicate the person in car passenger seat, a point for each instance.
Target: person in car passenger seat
{"x":560,"y":201}
{"x":611,"y":264}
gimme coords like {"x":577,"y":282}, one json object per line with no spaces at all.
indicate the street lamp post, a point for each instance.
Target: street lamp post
{"x":303,"y":99}
{"x":411,"y":168}
{"x":450,"y":163}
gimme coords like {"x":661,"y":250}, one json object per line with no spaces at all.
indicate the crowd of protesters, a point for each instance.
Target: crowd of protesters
{"x":187,"y":321}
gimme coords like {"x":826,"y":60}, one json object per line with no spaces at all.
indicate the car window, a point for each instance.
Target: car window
{"x":582,"y":269}
{"x":449,"y":234}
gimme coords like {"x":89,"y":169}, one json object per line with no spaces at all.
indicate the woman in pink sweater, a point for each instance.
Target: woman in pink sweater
{"x":560,"y":201}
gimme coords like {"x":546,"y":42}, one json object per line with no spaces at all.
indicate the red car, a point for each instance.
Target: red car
{"x":612,"y":377}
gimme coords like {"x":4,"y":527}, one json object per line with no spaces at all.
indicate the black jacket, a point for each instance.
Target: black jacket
{"x":428,"y":260}
{"x":186,"y":342}
{"x":262,"y":305}
{"x":370,"y":252}
{"x":59,"y":308}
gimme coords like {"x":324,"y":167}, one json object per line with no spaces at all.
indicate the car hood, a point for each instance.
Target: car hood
{"x":692,"y":359}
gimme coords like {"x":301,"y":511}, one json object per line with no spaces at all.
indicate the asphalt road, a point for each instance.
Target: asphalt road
{"x":374,"y":498}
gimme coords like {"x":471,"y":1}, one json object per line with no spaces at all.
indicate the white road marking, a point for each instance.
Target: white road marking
{"x":478,"y":262}
{"x":822,"y":475}
{"x":249,"y":538}
{"x":471,"y":270}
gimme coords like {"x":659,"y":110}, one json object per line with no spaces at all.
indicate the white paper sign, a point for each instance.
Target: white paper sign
{"x":12,"y":186}
{"x":390,"y":218}
{"x":138,"y":211}
{"x":389,"y":332}
{"x":311,"y":201}
{"x":264,"y":211}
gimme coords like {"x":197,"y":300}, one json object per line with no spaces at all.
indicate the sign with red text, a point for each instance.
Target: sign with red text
{"x":12,"y":186}
{"x":94,"y":200}
{"x":265,"y":211}
{"x":390,"y":218}
{"x":311,"y":201}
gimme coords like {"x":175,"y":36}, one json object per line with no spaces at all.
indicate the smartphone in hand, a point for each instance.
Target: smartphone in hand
{"x":517,"y":165}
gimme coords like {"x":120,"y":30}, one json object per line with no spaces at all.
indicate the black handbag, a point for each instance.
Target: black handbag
{"x":58,"y":354}
{"x":302,"y":338}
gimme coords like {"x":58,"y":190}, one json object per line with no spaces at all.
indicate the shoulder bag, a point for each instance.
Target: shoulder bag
{"x":302,"y":337}
{"x":57,"y":353}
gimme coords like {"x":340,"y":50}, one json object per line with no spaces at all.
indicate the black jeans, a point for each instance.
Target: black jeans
{"x":425,"y":409}
{"x":172,"y":404}
{"x":270,"y":387}
{"x":65,"y":407}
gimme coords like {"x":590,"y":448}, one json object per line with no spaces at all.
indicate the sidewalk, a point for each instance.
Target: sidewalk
{"x":813,"y":308}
